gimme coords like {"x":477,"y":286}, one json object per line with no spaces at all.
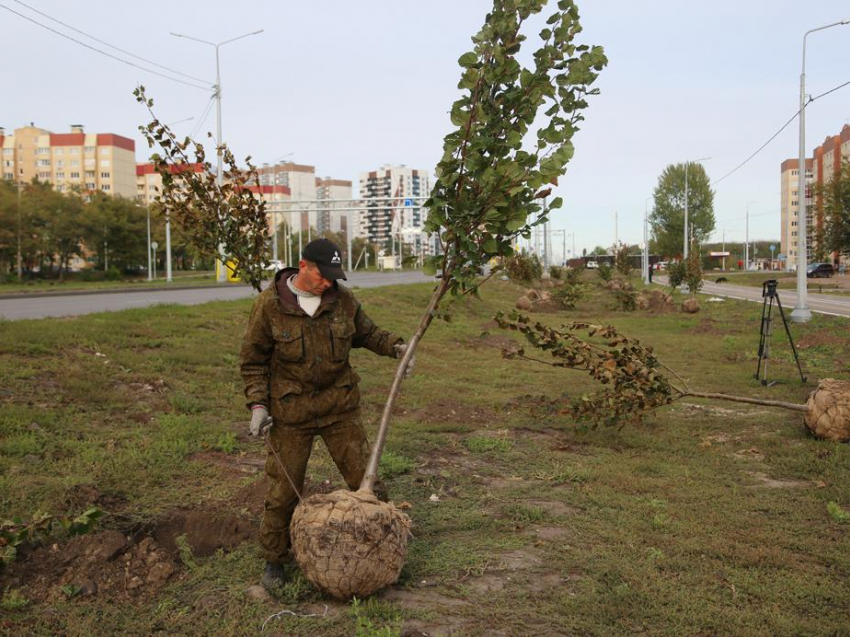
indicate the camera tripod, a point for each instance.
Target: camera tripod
{"x":769,"y":294}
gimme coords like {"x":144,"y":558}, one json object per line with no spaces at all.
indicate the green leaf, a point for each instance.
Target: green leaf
{"x":557,"y":202}
{"x":429,"y":266}
{"x":467,"y":59}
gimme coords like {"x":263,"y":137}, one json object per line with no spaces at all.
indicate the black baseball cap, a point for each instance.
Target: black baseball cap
{"x":327,"y":257}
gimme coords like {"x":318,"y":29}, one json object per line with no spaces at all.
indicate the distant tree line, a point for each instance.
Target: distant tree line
{"x":55,"y":230}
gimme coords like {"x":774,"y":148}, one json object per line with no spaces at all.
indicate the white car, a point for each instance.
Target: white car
{"x":274,"y":266}
{"x":593,"y":265}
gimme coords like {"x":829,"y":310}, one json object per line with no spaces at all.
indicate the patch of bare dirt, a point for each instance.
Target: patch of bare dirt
{"x":765,"y":480}
{"x":205,"y":531}
{"x":751,"y":453}
{"x":447,"y":410}
{"x":107,"y":564}
{"x":439,"y":462}
{"x":234,"y":463}
{"x":706,"y":326}
{"x":818,"y":338}
{"x":497,"y":342}
{"x":725,"y":412}
{"x":82,"y":496}
{"x":548,"y":533}
{"x":552,"y":507}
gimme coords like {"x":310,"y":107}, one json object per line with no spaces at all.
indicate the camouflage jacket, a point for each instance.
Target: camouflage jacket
{"x":297,"y":365}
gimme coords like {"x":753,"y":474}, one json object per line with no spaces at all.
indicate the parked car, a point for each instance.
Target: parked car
{"x":593,"y":265}
{"x":819,"y":270}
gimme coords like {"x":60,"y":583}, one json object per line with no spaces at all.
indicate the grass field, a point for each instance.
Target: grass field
{"x":708,"y":519}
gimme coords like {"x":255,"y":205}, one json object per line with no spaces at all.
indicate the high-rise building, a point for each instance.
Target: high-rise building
{"x":820,"y":170}
{"x":149,"y":183}
{"x":827,"y":159}
{"x":301,"y":181}
{"x":89,"y":161}
{"x":275,"y":198}
{"x":790,"y":210}
{"x":333,"y":217}
{"x":392,"y":198}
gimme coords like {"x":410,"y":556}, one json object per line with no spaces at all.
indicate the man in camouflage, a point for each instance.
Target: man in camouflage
{"x":294,"y":363}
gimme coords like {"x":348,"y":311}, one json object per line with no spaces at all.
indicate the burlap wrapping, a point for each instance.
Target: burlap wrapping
{"x":349,"y":543}
{"x":828,"y":410}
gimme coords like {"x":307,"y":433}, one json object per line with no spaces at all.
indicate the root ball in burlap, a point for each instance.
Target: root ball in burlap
{"x":349,"y":543}
{"x":828,"y":410}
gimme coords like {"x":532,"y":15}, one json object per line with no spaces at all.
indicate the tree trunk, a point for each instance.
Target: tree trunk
{"x":378,"y":447}
{"x":751,"y":401}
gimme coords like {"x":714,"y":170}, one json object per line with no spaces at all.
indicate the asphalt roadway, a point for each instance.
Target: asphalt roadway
{"x":77,"y":303}
{"x":834,"y":304}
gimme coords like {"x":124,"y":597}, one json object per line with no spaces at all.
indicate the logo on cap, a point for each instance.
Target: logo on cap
{"x":336,"y":258}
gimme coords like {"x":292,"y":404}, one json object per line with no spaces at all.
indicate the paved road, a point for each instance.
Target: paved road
{"x":837,"y":305}
{"x":76,"y":304}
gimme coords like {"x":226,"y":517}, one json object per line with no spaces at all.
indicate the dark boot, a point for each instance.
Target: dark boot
{"x":273,"y":576}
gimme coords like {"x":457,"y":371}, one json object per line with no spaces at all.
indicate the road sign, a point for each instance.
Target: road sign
{"x":772,"y":247}
{"x":154,"y":245}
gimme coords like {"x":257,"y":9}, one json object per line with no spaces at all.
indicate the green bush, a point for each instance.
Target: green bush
{"x":569,"y":295}
{"x":572,"y":275}
{"x":675,"y":274}
{"x":556,"y":272}
{"x":621,"y":260}
{"x":523,"y":267}
{"x":625,"y":298}
{"x":605,"y":271}
{"x":693,"y":270}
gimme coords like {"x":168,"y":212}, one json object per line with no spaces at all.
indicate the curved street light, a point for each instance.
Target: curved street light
{"x":801,"y":313}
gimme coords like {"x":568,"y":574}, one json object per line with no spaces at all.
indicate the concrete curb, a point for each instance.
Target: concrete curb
{"x":37,"y":295}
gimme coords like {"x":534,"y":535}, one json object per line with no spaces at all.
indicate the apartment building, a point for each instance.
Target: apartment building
{"x":820,"y":169}
{"x":88,"y":161}
{"x":391,"y":197}
{"x":149,"y":182}
{"x":277,"y":199}
{"x":300,"y":179}
{"x":790,"y":210}
{"x":826,"y":162}
{"x":330,"y":216}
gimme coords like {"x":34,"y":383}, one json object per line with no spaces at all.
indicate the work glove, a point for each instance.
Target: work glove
{"x":260,"y":420}
{"x":400,"y":350}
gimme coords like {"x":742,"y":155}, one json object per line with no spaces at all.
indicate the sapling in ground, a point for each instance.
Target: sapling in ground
{"x":512,"y":139}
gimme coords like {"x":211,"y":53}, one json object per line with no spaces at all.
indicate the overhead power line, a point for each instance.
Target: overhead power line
{"x":102,"y":52}
{"x":111,"y":46}
{"x":776,"y":134}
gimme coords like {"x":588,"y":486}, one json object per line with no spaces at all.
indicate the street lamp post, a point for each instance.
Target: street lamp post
{"x":222,"y":275}
{"x":747,"y":240}
{"x":646,"y":240}
{"x":801,"y":313}
{"x":687,"y":236}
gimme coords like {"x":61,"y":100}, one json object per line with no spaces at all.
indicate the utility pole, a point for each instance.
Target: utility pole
{"x":150,"y":272}
{"x":20,"y":258}
{"x":168,"y":278}
{"x":222,"y":258}
{"x":747,"y":240}
{"x":724,"y":248}
{"x":616,"y":231}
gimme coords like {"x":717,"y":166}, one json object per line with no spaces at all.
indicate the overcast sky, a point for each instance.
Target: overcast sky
{"x":349,"y":86}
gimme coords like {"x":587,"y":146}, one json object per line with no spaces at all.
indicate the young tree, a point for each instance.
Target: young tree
{"x":512,"y":139}
{"x":835,"y":197}
{"x":668,"y":214}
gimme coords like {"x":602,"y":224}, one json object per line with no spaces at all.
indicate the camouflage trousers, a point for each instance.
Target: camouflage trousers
{"x":346,"y":441}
